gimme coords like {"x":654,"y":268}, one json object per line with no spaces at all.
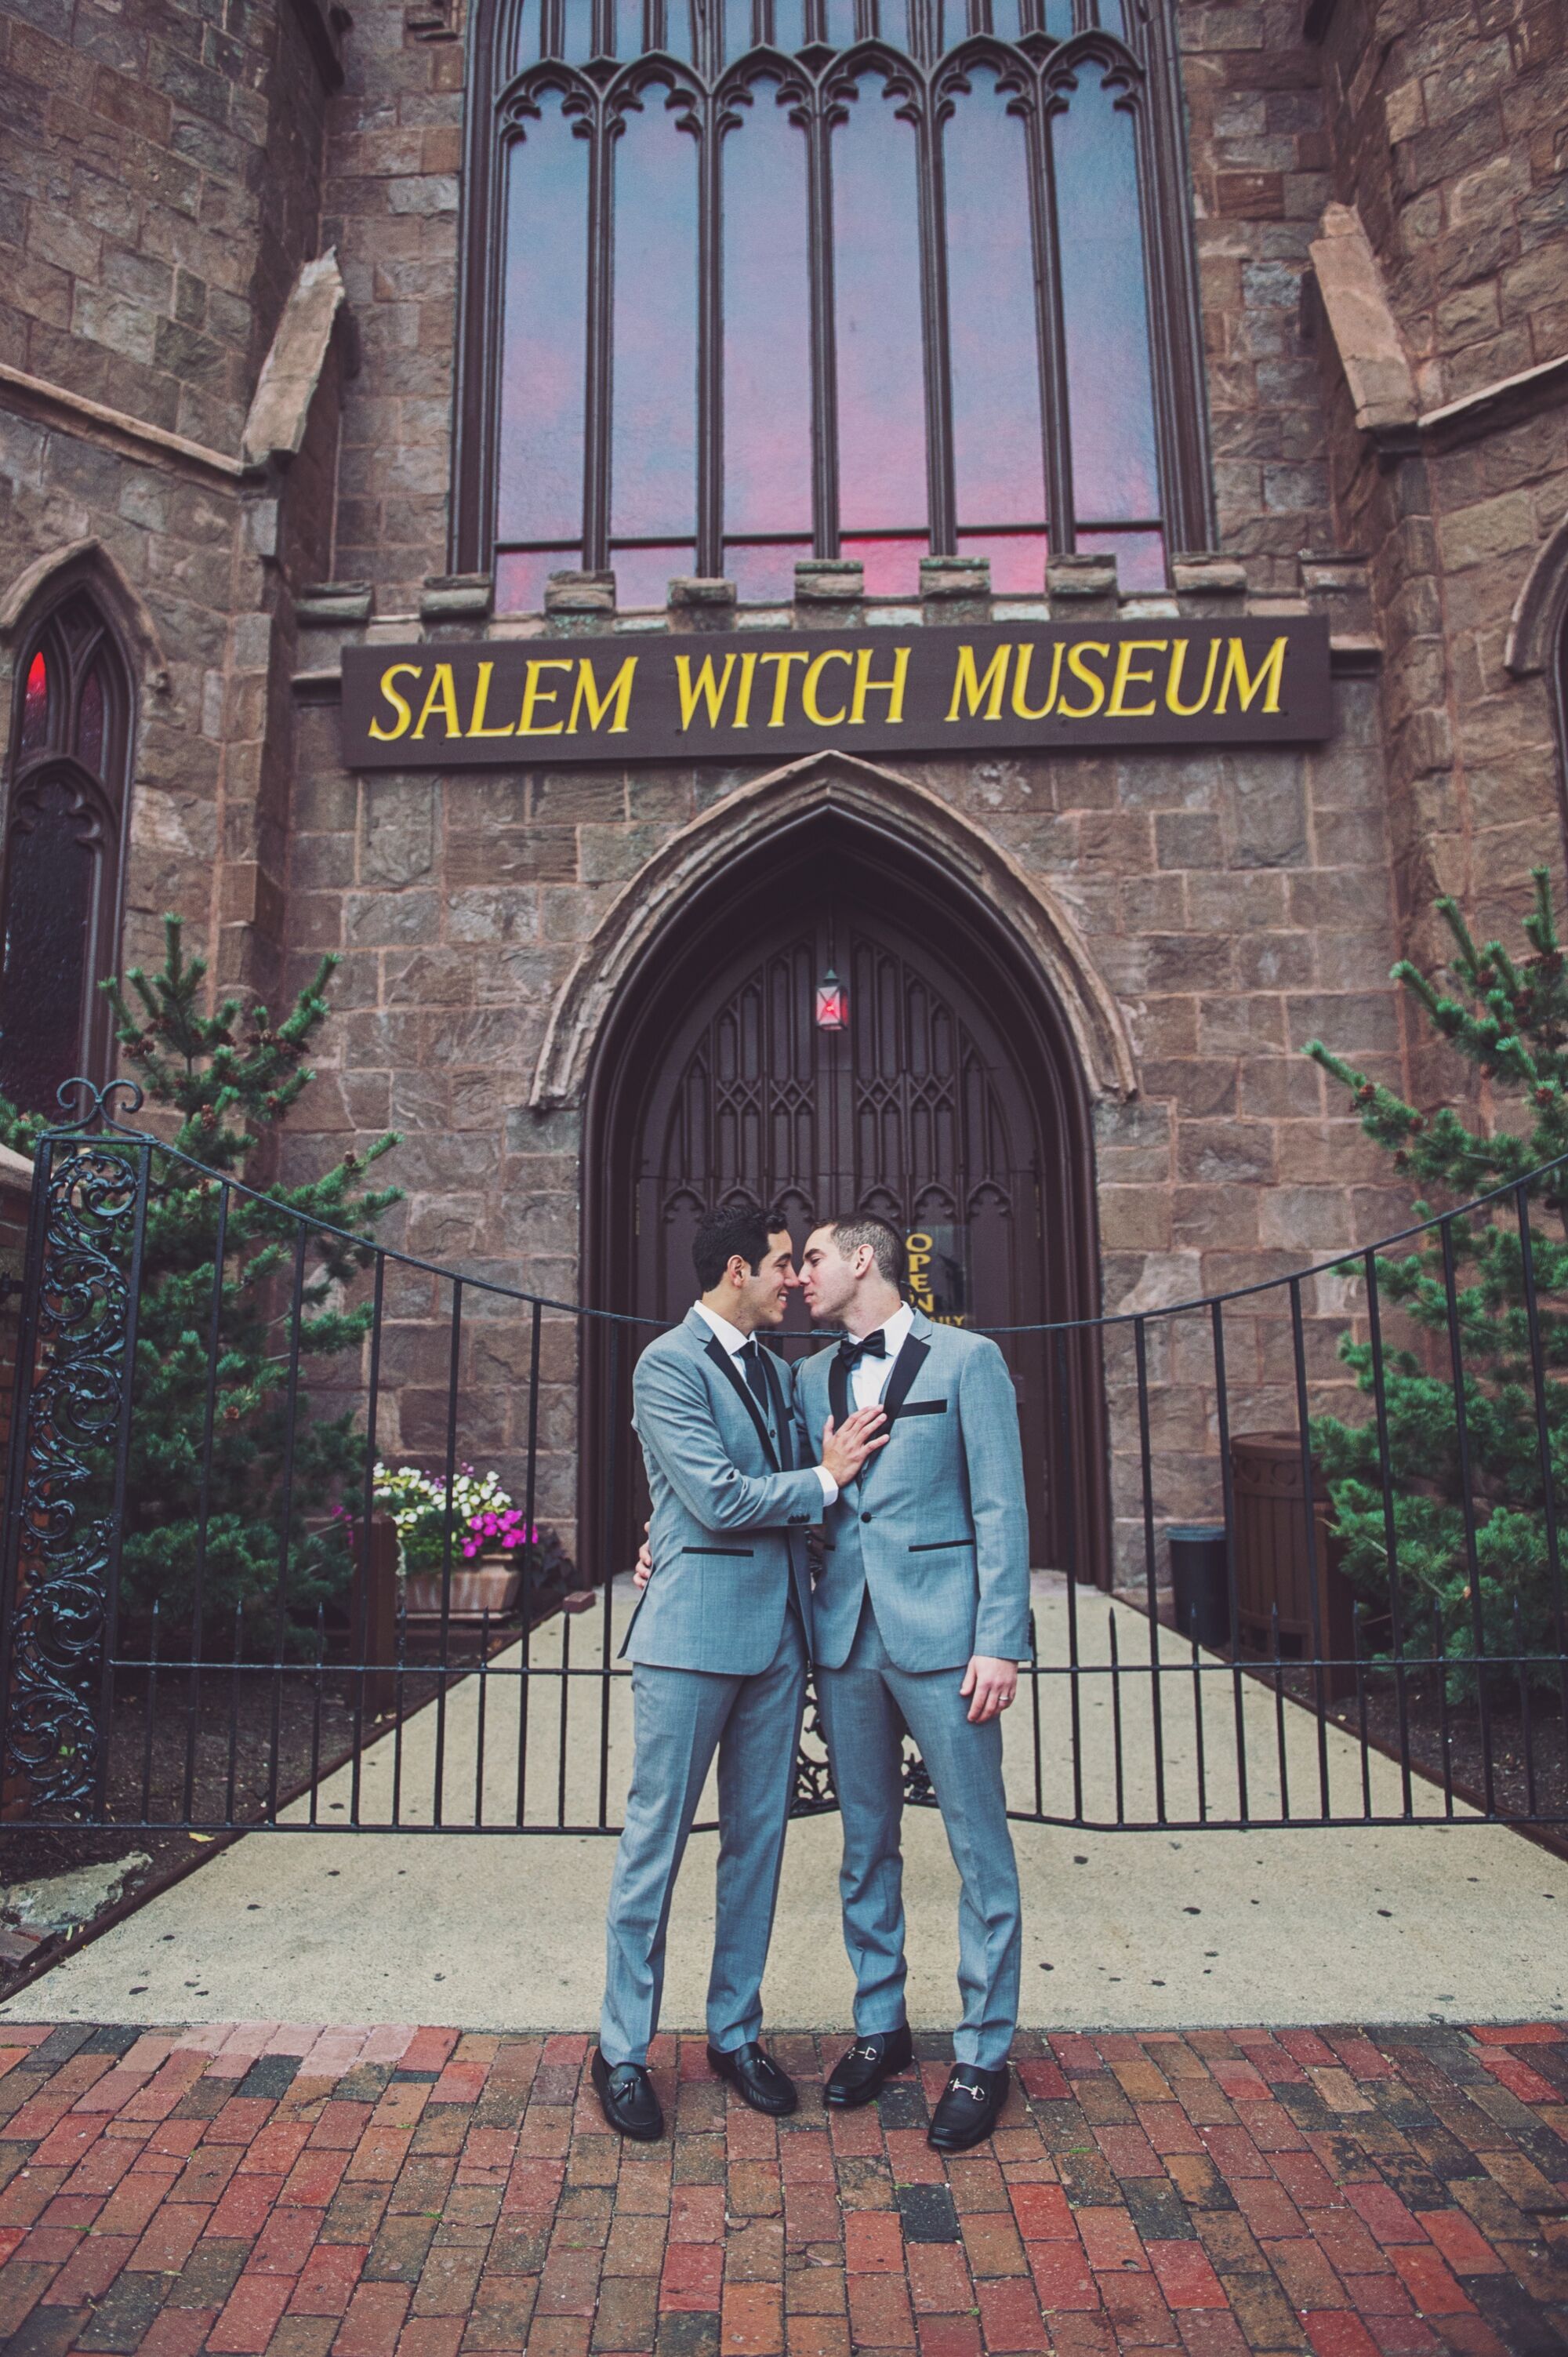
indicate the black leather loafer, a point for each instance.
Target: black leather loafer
{"x":857,"y":2077}
{"x":626,"y":2099}
{"x":756,"y":2078}
{"x":972,"y":2102}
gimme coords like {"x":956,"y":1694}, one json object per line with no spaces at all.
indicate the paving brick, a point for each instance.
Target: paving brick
{"x":1430,"y":2281}
{"x":1062,"y":2277}
{"x":1417,"y":2224}
{"x":1043,"y":2213}
{"x":752,"y":2320}
{"x":1184,"y":2275}
{"x":874,"y":2243}
{"x":373,"y":2321}
{"x":939,"y":2278}
{"x":1010,"y":2316}
{"x":250,"y":2314}
{"x":1339,"y":2332}
{"x":1389,"y":2218}
{"x":879,"y":2312}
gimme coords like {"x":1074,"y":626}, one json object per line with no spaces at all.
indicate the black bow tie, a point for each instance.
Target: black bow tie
{"x":870,"y":1346}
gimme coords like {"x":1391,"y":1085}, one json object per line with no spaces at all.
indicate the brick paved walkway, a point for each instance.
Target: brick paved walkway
{"x":416,"y":2193}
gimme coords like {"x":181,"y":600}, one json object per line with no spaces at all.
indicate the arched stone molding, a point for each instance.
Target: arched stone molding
{"x":1539,"y":610}
{"x":881,"y":801}
{"x":89,"y":564}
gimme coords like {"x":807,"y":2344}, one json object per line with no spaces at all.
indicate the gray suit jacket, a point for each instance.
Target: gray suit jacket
{"x":734,"y":1495}
{"x":935,"y":1526}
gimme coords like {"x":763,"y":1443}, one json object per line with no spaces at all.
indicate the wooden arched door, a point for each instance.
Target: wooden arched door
{"x":914,"y":1110}
{"x":949,"y":1103}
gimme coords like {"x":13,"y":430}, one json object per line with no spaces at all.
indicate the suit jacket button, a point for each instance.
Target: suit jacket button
{"x":865,"y":1517}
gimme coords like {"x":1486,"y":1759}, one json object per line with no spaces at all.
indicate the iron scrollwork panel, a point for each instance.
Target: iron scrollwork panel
{"x":816,"y":1795}
{"x":74,"y":1371}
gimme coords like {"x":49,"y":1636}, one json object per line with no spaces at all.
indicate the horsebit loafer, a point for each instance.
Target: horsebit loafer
{"x":857,"y":2077}
{"x":756,"y":2078}
{"x":626,"y":2099}
{"x":972,"y":2102}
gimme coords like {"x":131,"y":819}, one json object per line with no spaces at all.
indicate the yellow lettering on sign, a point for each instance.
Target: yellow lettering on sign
{"x":781,"y":684}
{"x":1119,"y":708}
{"x":809,"y":705}
{"x":398,"y":702}
{"x":443,"y":691}
{"x":975,"y":687}
{"x":533,"y":696}
{"x":1172,"y":680}
{"x":893,"y":689}
{"x":743,"y":693}
{"x":1270,"y":675}
{"x":1021,"y":683}
{"x":704,"y":689}
{"x":481,"y":699}
{"x":1091,"y":680}
{"x":616,"y":699}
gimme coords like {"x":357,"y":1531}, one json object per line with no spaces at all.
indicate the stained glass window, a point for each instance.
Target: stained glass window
{"x":61,"y":868}
{"x":767,"y":290}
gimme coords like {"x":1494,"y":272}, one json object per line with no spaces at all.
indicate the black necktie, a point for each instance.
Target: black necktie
{"x":870,"y":1346}
{"x":757,"y":1377}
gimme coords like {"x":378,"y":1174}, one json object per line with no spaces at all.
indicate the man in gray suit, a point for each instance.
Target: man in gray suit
{"x":921,"y":1616}
{"x":718,"y":1645}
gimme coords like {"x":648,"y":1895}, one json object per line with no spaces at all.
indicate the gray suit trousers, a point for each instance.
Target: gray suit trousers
{"x":865,"y":1707}
{"x":682,"y":1716}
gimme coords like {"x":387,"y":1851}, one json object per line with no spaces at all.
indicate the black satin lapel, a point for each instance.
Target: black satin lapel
{"x":838,"y":1389}
{"x":727,"y":1365}
{"x":906,"y":1367}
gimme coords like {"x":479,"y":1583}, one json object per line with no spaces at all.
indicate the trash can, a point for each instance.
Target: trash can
{"x":1199,"y":1582}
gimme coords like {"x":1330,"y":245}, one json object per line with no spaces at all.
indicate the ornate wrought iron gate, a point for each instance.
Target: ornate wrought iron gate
{"x":141,"y":1683}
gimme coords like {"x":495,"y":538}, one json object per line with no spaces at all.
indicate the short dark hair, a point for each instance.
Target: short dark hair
{"x":734,"y":1228}
{"x":887,"y":1248}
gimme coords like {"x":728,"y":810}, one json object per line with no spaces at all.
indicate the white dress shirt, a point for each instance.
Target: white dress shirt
{"x":869,"y":1380}
{"x":735,"y":1343}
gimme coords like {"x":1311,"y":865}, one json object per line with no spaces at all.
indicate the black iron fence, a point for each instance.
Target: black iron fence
{"x":211,"y":1617}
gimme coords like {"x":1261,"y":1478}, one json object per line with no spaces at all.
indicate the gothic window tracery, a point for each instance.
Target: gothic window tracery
{"x":61,"y":857}
{"x":753,"y":280}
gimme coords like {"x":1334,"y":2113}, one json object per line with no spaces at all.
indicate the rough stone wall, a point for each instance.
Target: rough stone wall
{"x":1445,"y":124}
{"x":1236,"y":904}
{"x":161,"y":171}
{"x":392,"y":210}
{"x":157,"y":168}
{"x":1257,"y":156}
{"x":175,"y":537}
{"x":1448,"y":128}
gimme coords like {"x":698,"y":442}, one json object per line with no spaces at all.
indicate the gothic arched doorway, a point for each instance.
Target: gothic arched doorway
{"x":951,"y":1102}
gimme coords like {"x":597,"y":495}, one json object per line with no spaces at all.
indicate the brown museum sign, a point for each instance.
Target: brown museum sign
{"x":1008,"y":687}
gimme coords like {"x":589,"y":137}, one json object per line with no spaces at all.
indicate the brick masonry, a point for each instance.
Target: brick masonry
{"x":267,"y":2191}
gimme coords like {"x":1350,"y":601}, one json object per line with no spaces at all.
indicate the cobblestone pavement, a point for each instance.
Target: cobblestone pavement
{"x":401,"y":2192}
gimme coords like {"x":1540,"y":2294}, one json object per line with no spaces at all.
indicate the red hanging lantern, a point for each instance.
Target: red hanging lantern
{"x":833,"y":1004}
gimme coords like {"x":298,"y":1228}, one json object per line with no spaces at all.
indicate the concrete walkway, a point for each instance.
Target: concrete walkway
{"x":1436,"y":1922}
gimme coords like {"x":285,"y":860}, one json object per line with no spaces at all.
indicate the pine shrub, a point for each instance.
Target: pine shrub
{"x":229,"y":1080}
{"x":1508,"y":1017}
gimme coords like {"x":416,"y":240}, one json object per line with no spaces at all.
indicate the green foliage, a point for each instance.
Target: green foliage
{"x":1508,"y":1018}
{"x":229,"y":1078}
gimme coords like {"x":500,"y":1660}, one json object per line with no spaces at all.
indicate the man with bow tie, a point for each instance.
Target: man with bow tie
{"x":921,"y":1616}
{"x":718,"y":1646}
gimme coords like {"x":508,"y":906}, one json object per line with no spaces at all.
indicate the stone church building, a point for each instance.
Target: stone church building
{"x":376,"y":385}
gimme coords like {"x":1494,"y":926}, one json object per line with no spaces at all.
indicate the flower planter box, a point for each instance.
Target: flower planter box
{"x":474,"y":1591}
